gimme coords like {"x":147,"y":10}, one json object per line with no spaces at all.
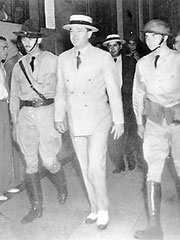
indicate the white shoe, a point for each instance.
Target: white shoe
{"x":3,"y":198}
{"x":103,"y":219}
{"x":14,"y":190}
{"x":91,"y":218}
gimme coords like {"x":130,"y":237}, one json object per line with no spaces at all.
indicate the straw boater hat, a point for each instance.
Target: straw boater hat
{"x":113,"y":38}
{"x":80,"y":20}
{"x":30,"y":29}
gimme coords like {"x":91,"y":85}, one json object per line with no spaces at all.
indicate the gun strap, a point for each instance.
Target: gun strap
{"x":31,"y":85}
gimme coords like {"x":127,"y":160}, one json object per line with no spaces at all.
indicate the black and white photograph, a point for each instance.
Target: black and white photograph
{"x":89,"y":119}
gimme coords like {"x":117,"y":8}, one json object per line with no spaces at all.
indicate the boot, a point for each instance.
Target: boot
{"x":34,"y":191}
{"x":59,"y":181}
{"x":153,"y":230}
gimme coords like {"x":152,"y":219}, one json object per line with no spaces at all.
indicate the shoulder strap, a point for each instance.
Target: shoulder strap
{"x":30,"y":83}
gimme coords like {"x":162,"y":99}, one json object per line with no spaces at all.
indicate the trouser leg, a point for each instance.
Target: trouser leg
{"x":153,"y":230}
{"x":34,"y":192}
{"x":116,"y":153}
{"x":59,"y":180}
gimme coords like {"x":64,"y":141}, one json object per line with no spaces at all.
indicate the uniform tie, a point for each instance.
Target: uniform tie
{"x":115,"y":59}
{"x":78,"y":59}
{"x":32,"y":63}
{"x":155,"y":61}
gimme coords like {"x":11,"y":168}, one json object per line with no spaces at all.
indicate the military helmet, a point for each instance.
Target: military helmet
{"x":157,"y":26}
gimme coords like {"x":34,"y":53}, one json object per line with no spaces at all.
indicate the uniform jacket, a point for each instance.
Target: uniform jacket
{"x":82,"y":92}
{"x":161,"y":85}
{"x":43,"y":79}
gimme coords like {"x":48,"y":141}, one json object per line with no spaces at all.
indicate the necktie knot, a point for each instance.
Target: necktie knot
{"x":32,"y":63}
{"x":156,"y":59}
{"x":115,"y":59}
{"x":78,"y":59}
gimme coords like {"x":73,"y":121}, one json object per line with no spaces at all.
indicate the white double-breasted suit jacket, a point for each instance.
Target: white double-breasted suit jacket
{"x":82,"y":92}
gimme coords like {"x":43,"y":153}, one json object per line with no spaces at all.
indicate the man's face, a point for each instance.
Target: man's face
{"x":79,"y":36}
{"x":132,"y":45}
{"x":29,"y":44}
{"x":3,"y":50}
{"x":153,"y":40}
{"x":176,"y":44}
{"x":114,"y":48}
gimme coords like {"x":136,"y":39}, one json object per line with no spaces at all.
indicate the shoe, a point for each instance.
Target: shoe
{"x":116,"y":170}
{"x":131,"y":162}
{"x":103,"y":219}
{"x":13,"y":190}
{"x":3,"y":198}
{"x":91,"y":218}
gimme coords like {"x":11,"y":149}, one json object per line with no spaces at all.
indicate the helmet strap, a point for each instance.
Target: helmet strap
{"x":34,"y":45}
{"x":159,"y":45}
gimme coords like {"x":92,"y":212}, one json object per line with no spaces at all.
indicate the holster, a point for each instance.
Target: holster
{"x":156,"y":113}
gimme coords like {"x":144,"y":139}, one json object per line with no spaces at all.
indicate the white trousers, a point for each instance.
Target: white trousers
{"x":91,"y":152}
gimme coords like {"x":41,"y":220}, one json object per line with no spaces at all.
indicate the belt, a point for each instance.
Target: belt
{"x":36,"y":102}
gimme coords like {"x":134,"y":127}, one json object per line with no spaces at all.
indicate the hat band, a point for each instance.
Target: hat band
{"x":113,"y":38}
{"x":80,"y":22}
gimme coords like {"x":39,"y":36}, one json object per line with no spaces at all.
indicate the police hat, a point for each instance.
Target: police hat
{"x":30,"y":29}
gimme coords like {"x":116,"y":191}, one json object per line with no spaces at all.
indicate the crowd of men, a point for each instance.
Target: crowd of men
{"x":93,"y":93}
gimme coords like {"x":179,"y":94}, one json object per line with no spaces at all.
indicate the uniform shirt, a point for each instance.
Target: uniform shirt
{"x":43,"y":79}
{"x":3,"y":90}
{"x":82,"y":92}
{"x":161,"y":84}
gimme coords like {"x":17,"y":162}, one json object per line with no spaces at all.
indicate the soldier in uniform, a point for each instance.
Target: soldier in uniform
{"x":84,"y":74}
{"x":156,"y":97}
{"x":32,"y":105}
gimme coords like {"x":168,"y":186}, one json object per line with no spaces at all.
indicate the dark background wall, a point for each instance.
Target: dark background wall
{"x":133,"y":14}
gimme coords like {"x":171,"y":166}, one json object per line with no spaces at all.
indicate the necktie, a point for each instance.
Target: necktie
{"x":78,"y":59}
{"x":115,"y":59}
{"x":32,"y":63}
{"x":155,"y":61}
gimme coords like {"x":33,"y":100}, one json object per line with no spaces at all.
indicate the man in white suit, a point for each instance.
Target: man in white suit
{"x":84,"y":74}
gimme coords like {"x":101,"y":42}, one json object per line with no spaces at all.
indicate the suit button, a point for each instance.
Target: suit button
{"x":85,"y":105}
{"x":67,"y":80}
{"x":89,"y":79}
{"x":84,"y":92}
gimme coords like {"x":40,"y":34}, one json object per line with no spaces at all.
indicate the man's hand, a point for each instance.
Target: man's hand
{"x":61,"y":127}
{"x":118,"y":130}
{"x":140,"y":130}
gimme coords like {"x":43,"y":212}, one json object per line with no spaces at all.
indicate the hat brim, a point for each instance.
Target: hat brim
{"x":69,"y":26}
{"x":156,"y":32}
{"x":114,"y":40}
{"x":30,"y":34}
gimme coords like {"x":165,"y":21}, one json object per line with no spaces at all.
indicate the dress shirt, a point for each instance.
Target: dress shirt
{"x":3,"y":90}
{"x":43,"y":79}
{"x":118,"y":63}
{"x":161,"y":84}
